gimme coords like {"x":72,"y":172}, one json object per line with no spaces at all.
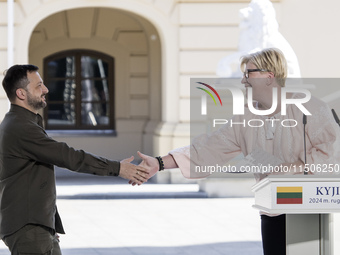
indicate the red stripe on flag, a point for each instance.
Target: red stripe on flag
{"x":289,"y":201}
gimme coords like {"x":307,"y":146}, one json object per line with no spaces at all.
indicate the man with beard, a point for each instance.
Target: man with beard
{"x":29,"y":220}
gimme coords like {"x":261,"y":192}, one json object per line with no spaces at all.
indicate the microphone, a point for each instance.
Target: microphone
{"x":336,"y":117}
{"x":304,"y":121}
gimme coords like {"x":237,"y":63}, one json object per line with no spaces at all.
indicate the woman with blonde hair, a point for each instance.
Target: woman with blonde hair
{"x":263,"y":71}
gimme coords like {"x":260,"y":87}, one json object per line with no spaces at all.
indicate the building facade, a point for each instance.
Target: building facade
{"x":155,"y":47}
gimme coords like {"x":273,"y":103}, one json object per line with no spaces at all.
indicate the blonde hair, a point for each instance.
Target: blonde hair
{"x":270,"y":59}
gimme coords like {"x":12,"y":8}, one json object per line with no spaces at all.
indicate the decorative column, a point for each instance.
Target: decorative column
{"x":10,"y":32}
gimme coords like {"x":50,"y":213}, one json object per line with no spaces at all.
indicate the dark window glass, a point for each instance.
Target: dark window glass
{"x":61,"y":67}
{"x":81,"y":90}
{"x":93,"y":67}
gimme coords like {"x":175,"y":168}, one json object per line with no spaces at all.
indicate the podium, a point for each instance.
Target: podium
{"x":308,"y":202}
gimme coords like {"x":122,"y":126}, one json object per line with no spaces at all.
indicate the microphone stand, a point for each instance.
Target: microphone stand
{"x":336,"y":117}
{"x":304,"y":121}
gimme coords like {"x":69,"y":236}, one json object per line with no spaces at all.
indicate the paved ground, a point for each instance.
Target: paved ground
{"x":102,"y":217}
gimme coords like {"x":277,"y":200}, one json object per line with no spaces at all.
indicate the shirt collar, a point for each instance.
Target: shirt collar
{"x":27,"y":114}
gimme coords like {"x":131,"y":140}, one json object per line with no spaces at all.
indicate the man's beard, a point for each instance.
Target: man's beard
{"x":35,"y":102}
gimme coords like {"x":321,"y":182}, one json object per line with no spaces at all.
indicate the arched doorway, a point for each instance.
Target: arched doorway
{"x":134,"y":44}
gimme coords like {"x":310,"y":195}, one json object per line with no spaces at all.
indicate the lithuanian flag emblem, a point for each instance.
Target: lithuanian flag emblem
{"x":289,"y":195}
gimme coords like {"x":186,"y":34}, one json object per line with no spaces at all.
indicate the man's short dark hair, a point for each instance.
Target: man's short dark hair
{"x":15,"y":78}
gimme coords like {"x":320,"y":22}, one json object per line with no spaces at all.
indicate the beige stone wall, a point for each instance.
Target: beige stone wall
{"x":208,"y":31}
{"x":4,"y":104}
{"x":311,"y":28}
{"x":47,"y":27}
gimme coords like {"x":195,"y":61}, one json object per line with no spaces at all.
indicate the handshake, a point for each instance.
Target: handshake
{"x":141,"y":173}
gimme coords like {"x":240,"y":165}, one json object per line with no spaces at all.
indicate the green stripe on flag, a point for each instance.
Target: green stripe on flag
{"x":289,"y":195}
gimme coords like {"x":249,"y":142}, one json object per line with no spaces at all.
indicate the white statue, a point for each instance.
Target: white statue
{"x":258,"y":30}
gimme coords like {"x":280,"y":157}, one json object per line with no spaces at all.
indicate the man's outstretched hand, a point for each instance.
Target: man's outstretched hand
{"x":149,"y":163}
{"x":135,"y":174}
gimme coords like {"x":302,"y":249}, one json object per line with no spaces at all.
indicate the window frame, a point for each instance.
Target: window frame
{"x":78,"y":126}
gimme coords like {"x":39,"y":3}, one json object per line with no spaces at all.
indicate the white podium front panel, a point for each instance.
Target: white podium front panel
{"x":298,"y":194}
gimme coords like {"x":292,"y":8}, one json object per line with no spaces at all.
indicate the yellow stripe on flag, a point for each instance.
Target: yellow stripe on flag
{"x":289,"y":189}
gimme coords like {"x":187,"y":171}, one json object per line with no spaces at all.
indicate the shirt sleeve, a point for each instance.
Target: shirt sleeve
{"x":35,"y":144}
{"x":322,"y":140}
{"x":208,"y":150}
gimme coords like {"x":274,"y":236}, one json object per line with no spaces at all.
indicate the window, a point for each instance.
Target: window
{"x":81,"y":91}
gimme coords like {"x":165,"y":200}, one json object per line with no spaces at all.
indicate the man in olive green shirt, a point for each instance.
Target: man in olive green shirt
{"x":29,"y":219}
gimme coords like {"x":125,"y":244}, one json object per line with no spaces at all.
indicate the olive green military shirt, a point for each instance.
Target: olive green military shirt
{"x":27,"y":179}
